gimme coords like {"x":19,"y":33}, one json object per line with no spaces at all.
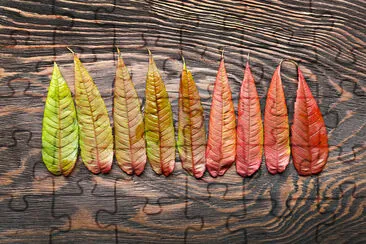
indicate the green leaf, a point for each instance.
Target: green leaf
{"x":60,"y":128}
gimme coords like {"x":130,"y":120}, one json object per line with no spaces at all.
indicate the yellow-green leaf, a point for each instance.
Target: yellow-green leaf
{"x":128,"y":123}
{"x":60,"y":128}
{"x":191,"y":126}
{"x":96,"y":140}
{"x":159,"y":129}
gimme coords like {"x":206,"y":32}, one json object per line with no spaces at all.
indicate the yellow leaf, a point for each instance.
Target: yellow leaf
{"x":159,"y":129}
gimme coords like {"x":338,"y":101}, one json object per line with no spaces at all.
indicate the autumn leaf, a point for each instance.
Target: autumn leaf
{"x":128,"y":123}
{"x":276,"y":128}
{"x":250,"y":129}
{"x":60,"y":128}
{"x":191,"y":126}
{"x":159,"y":129}
{"x":309,"y":140}
{"x":96,"y":140}
{"x":221,"y":143}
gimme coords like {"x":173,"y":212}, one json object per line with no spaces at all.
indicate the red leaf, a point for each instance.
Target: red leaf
{"x":309,"y":140}
{"x":276,"y":128}
{"x":250,"y":129}
{"x":221,"y":143}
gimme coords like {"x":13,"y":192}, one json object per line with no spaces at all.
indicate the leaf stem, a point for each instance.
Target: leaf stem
{"x":71,"y":50}
{"x":289,"y":60}
{"x":184,"y":63}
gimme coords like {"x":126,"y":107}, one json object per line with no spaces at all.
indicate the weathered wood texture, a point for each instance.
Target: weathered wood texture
{"x":326,"y":37}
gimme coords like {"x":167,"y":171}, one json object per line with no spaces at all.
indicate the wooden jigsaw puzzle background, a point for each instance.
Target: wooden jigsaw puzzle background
{"x":326,"y":37}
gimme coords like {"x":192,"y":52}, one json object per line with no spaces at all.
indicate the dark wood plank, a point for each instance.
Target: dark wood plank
{"x":327,"y":38}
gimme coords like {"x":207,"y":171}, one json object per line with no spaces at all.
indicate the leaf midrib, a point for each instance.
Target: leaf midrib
{"x":92,"y":116}
{"x":59,"y":128}
{"x":159,"y":127}
{"x":307,"y":124}
{"x":190,"y":123}
{"x":128,"y":118}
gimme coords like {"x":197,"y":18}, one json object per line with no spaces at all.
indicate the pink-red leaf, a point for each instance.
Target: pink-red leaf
{"x":249,"y":148}
{"x":221,"y":143}
{"x":309,"y":140}
{"x":276,"y":128}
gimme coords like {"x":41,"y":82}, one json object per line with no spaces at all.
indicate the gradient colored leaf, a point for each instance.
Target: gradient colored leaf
{"x":191,"y":126}
{"x":250,"y":128}
{"x":309,"y":140}
{"x":221,"y":143}
{"x":60,"y":128}
{"x":276,"y":127}
{"x":96,"y":140}
{"x":159,"y":128}
{"x":128,"y":123}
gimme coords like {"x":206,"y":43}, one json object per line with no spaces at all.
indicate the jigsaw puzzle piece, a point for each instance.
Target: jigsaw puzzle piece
{"x":20,"y":176}
{"x":228,"y":187}
{"x":276,"y":189}
{"x":153,"y":217}
{"x":253,"y":222}
{"x":265,"y":205}
{"x":81,"y":208}
{"x":215,"y":211}
{"x":32,"y":220}
{"x":152,"y":187}
{"x":347,"y":166}
{"x":346,"y":221}
{"x":320,"y":217}
{"x":22,"y":108}
{"x":124,"y":219}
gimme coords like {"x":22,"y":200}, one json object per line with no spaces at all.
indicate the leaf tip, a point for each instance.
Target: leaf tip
{"x":55,"y":68}
{"x":150,"y":55}
{"x":120,"y":59}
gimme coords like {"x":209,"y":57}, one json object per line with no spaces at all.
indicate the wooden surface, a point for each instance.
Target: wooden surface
{"x":326,"y":37}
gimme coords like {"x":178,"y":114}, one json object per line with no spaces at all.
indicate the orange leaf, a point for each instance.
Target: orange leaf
{"x":250,"y":129}
{"x":309,"y":140}
{"x":276,"y":128}
{"x":191,"y":126}
{"x":221,"y":144}
{"x":128,"y":123}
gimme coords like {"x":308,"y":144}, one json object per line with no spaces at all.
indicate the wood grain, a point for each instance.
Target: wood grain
{"x":327,"y":38}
